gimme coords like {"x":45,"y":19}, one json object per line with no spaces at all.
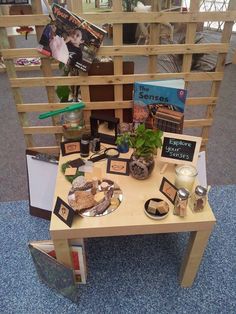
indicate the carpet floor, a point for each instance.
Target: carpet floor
{"x":135,"y":274}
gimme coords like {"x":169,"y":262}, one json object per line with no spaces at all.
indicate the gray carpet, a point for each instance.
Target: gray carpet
{"x":136,"y":274}
{"x":221,"y":148}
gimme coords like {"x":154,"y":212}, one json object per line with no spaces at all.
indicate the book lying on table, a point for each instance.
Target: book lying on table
{"x":47,"y":249}
{"x":149,"y":96}
{"x":71,"y":39}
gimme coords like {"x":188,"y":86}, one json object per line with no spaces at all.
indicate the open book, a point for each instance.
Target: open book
{"x":71,"y":39}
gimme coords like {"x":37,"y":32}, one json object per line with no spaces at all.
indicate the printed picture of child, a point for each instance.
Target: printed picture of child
{"x":58,"y":47}
{"x":74,"y":43}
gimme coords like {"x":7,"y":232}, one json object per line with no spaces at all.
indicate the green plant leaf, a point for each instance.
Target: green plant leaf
{"x":140,"y":142}
{"x":62,"y":92}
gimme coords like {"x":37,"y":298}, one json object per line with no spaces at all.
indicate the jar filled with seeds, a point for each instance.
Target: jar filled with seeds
{"x":198,"y":199}
{"x":181,"y":202}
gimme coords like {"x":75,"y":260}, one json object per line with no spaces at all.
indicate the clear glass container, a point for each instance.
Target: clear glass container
{"x":73,"y":124}
{"x":185,"y":177}
{"x":198,"y":199}
{"x":181,"y":201}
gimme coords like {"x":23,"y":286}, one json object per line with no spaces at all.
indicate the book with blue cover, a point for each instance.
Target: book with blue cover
{"x":151,"y":95}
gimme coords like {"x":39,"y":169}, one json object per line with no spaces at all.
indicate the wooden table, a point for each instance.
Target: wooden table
{"x":129,"y":219}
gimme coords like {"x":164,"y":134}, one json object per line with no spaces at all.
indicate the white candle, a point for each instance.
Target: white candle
{"x":185,"y":177}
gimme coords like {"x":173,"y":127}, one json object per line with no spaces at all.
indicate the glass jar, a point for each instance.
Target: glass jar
{"x":181,"y":202}
{"x":198,"y":199}
{"x":73,"y":124}
{"x":185,"y":177}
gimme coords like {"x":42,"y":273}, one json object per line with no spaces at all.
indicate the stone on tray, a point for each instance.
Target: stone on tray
{"x":152,"y":206}
{"x":162,"y":207}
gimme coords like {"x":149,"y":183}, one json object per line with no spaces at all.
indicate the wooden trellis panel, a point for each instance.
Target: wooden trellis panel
{"x":118,"y":51}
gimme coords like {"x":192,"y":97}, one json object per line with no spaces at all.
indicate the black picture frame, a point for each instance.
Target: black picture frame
{"x":168,"y":189}
{"x":122,"y":166}
{"x":64,"y":212}
{"x":75,"y":147}
{"x":95,"y":120}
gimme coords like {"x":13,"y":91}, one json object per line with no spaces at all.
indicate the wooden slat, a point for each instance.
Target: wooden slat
{"x":190,"y":39}
{"x":58,"y":129}
{"x":46,"y":149}
{"x":44,"y":107}
{"x":196,"y":101}
{"x":124,"y":104}
{"x":26,"y":68}
{"x":46,"y":66}
{"x":131,"y":50}
{"x":197,"y":123}
{"x":85,"y":95}
{"x":118,"y":60}
{"x":42,"y":130}
{"x":154,"y":40}
{"x":126,"y":17}
{"x":113,"y":79}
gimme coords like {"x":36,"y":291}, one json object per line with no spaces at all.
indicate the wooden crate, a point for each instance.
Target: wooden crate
{"x":118,"y":51}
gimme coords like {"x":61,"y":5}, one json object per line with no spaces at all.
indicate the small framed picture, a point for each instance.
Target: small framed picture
{"x":70,"y":147}
{"x":168,"y":189}
{"x":104,"y":127}
{"x":64,"y":212}
{"x":118,"y":166}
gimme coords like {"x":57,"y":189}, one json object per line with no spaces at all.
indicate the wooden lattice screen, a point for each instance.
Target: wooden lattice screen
{"x":118,"y":51}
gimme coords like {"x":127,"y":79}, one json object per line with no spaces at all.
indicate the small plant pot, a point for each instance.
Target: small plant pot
{"x":123,"y":148}
{"x":141,"y":167}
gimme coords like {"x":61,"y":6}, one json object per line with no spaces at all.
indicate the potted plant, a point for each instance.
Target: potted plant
{"x":145,"y":142}
{"x":123,"y":142}
{"x":129,"y":30}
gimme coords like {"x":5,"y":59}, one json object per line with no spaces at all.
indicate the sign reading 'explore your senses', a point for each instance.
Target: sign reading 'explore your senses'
{"x":179,"y":148}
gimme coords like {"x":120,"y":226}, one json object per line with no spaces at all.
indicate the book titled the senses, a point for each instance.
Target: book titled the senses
{"x":151,"y":95}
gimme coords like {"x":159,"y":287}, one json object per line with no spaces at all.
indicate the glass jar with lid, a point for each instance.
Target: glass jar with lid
{"x":198,"y":199}
{"x":73,"y":124}
{"x":181,"y":201}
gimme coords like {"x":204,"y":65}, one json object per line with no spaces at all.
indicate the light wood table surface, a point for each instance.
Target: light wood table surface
{"x":129,"y":218}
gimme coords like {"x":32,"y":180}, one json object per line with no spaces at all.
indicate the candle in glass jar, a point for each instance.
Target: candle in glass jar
{"x":185,"y":177}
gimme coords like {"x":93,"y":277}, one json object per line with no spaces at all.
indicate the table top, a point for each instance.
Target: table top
{"x":129,"y":218}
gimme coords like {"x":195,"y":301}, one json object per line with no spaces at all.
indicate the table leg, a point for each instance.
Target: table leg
{"x":63,"y":253}
{"x":193,"y":256}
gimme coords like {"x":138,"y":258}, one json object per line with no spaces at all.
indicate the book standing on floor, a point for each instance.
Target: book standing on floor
{"x":46,"y":248}
{"x":149,"y":96}
{"x":71,"y":39}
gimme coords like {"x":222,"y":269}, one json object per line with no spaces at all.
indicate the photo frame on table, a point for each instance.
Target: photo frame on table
{"x":118,"y":166}
{"x":64,"y":212}
{"x":168,"y":189}
{"x":70,"y":147}
{"x":108,"y":138}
